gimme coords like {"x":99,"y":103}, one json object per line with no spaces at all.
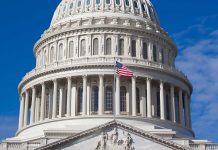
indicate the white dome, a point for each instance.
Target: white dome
{"x":133,"y":9}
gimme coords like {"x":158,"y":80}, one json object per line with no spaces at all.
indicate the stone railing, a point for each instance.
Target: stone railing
{"x":204,"y":146}
{"x":104,"y":61}
{"x":19,"y":146}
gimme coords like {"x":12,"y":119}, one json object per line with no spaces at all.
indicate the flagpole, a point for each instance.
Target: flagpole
{"x":114,"y":87}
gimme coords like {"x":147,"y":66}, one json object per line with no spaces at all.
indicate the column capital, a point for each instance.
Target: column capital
{"x":43,"y":83}
{"x":84,"y":76}
{"x":101,"y":75}
{"x":162,"y":81}
{"x":148,"y":78}
{"x":69,"y":78}
{"x":55,"y":80}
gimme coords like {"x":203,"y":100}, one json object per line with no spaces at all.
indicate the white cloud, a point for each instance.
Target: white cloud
{"x":199,"y":60}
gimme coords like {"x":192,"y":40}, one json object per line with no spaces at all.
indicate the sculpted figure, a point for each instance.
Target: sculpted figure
{"x":114,"y":136}
{"x":102,"y":143}
{"x":128,"y":141}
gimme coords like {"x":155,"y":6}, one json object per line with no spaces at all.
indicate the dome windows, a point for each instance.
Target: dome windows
{"x":145,"y":50}
{"x":71,"y":49}
{"x":52,"y":54}
{"x":71,"y":5}
{"x":135,"y":4}
{"x":83,"y":47}
{"x":108,"y":47}
{"x":95,"y":46}
{"x":127,"y":2}
{"x":88,"y":2}
{"x":60,"y":52}
{"x":133,"y":51}
{"x":79,"y":3}
{"x":154,"y":53}
{"x":98,"y":2}
{"x":108,"y":1}
{"x":121,"y":47}
{"x":117,"y":2}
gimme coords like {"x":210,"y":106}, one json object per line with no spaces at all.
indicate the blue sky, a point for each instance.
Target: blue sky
{"x":193,"y":25}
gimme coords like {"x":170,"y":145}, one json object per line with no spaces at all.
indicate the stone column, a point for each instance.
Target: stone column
{"x":187,"y":123}
{"x":54,"y":107}
{"x":117,"y":97}
{"x":21,"y":112}
{"x":61,"y":90}
{"x":180,"y":107}
{"x":32,"y":117}
{"x":69,"y":83}
{"x":84,"y":103}
{"x":162,"y":101}
{"x":149,"y":97}
{"x":73,"y":100}
{"x":101,"y":94}
{"x":26,"y":108}
{"x":42,"y":111}
{"x":134,"y":96}
{"x":173,"y":116}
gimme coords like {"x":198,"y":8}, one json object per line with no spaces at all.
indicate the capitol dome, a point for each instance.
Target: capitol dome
{"x":74,"y":89}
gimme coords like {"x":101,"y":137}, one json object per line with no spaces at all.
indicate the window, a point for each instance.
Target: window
{"x":108,"y":46}
{"x":83,"y":48}
{"x":108,"y":1}
{"x":133,"y":52}
{"x":79,"y":3}
{"x":71,"y":5}
{"x":52,"y":55}
{"x":127,"y":2}
{"x":143,"y":7}
{"x":60,"y":52}
{"x":94,"y":100}
{"x":121,"y":47}
{"x":109,"y":99}
{"x":145,"y":51}
{"x":138,"y":100}
{"x":135,"y":4}
{"x":71,"y":49}
{"x":95,"y":46}
{"x":45,"y":57}
{"x":154,"y":53}
{"x":123,"y":99}
{"x":118,"y":2}
{"x":98,"y":2}
{"x":87,"y":2}
{"x":80,"y":99}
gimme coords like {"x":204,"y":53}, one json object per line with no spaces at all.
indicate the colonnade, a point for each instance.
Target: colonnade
{"x":64,"y":99}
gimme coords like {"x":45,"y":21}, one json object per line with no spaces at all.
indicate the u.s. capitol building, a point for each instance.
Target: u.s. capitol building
{"x":73,"y":100}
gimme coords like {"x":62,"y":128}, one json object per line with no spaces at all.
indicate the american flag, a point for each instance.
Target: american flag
{"x":122,"y":70}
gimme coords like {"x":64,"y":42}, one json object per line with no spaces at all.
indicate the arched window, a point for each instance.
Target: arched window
{"x":52,"y":55}
{"x":138,"y":100}
{"x":135,"y":4}
{"x":108,"y":1}
{"x":162,"y":56}
{"x":108,"y":46}
{"x":98,"y":2}
{"x":143,"y":7}
{"x":45,"y":57}
{"x":95,"y":46}
{"x":71,"y":49}
{"x":145,"y":51}
{"x":80,"y":99}
{"x":109,"y":98}
{"x":87,"y":2}
{"x":83,"y":48}
{"x":118,"y":2}
{"x":121,"y":47}
{"x":133,"y":52}
{"x":154,"y":53}
{"x":71,"y":5}
{"x":94,"y":100}
{"x":123,"y":99}
{"x":79,"y":3}
{"x":61,"y":52}
{"x":127,"y":2}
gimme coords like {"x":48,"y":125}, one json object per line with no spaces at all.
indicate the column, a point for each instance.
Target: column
{"x":173,"y":116}
{"x":162,"y":101}
{"x":32,"y":117}
{"x":101,"y":94}
{"x":61,"y":90}
{"x":180,"y":107}
{"x":84,"y":95}
{"x":21,"y":112}
{"x":73,"y":100}
{"x":54,"y":107}
{"x":187,"y":123}
{"x":26,"y":108}
{"x":149,"y":97}
{"x":42,"y":111}
{"x":117,"y":97}
{"x":69,"y":83}
{"x":134,"y":96}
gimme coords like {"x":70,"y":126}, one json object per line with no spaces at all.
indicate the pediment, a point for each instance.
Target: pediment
{"x":113,"y":135}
